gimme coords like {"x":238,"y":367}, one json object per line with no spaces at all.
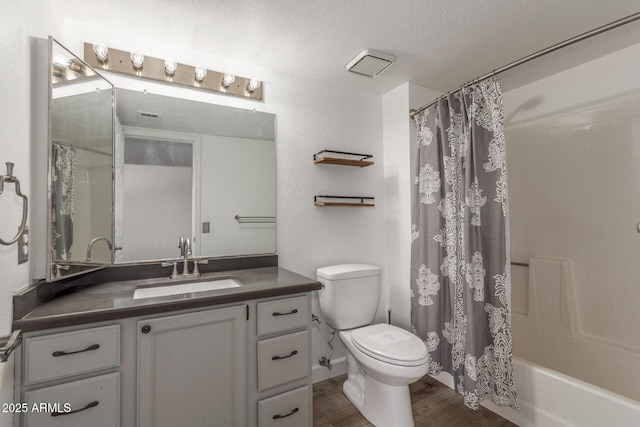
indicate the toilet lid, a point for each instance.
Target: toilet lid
{"x":390,"y":344}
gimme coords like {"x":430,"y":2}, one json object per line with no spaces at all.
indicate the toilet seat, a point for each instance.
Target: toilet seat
{"x":390,"y":344}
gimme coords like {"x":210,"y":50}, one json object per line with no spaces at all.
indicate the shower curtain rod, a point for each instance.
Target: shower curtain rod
{"x":538,"y":54}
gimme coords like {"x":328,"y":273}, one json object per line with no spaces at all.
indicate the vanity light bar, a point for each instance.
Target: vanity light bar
{"x":120,"y":62}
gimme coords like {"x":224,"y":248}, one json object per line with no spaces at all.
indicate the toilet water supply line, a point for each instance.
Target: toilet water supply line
{"x":326,"y":361}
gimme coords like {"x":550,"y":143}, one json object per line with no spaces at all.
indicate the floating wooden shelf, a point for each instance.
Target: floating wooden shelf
{"x":360,"y":162}
{"x":350,"y":201}
{"x":353,"y":205}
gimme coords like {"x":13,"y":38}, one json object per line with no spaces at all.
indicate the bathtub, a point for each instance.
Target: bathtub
{"x":549,"y":399}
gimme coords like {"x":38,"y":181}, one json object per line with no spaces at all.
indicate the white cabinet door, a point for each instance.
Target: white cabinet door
{"x":91,"y":402}
{"x":191,"y":369}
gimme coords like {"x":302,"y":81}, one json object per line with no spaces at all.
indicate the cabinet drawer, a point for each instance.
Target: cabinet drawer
{"x":283,"y":359}
{"x":94,"y":402}
{"x":70,"y":353}
{"x":290,"y":409}
{"x":283,"y":315}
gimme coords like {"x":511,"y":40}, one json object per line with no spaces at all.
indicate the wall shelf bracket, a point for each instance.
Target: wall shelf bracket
{"x":343,"y":158}
{"x":348,"y":201}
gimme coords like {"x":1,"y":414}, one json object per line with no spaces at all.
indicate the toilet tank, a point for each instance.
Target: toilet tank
{"x":349,"y":295}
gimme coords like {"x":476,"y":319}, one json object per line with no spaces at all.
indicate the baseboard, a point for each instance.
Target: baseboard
{"x":321,"y":373}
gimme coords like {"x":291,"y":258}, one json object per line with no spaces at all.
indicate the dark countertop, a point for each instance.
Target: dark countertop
{"x":114,"y":300}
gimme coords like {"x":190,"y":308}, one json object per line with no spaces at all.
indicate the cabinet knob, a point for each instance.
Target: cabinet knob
{"x":146,"y":329}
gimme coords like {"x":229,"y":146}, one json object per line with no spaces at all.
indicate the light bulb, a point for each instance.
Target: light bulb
{"x":227,"y":80}
{"x":137,"y":59}
{"x":101,"y":51}
{"x":61,"y":61}
{"x":200,"y":74}
{"x":253,"y":85}
{"x":170,"y":66}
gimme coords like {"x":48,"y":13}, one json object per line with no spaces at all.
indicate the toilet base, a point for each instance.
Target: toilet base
{"x":382,"y":404}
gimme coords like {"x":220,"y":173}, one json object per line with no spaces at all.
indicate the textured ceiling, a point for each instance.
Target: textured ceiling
{"x":439,"y":44}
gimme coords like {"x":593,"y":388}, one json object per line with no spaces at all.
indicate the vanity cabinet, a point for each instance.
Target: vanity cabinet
{"x":243,"y":364}
{"x":191,"y":369}
{"x":283,"y":358}
{"x":70,"y":378}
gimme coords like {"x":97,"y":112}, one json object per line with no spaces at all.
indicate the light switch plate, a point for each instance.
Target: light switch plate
{"x":205,"y":227}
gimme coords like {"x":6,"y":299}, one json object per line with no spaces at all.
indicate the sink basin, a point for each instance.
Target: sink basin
{"x":185,"y":288}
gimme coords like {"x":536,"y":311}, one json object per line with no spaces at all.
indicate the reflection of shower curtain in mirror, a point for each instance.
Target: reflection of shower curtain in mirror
{"x":63,"y":162}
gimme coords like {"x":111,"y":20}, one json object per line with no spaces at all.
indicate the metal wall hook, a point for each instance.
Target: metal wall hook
{"x":9,"y":344}
{"x":25,"y":201}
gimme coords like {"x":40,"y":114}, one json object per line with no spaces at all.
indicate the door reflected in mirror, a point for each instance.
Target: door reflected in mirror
{"x":186,"y":168}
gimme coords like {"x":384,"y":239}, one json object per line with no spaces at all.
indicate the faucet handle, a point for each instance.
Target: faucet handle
{"x":174,"y":273}
{"x":56,"y":269}
{"x":195,"y":265}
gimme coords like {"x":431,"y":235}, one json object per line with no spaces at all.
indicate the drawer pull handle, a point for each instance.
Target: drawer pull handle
{"x":89,"y":406}
{"x":293,"y":353}
{"x":277,"y":416}
{"x":66,"y":353}
{"x":294,"y":311}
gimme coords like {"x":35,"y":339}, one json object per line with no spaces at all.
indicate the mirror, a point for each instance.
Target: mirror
{"x":185,"y":168}
{"x":123,"y":188}
{"x":80,"y":161}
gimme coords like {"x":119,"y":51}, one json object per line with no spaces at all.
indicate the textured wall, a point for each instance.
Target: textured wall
{"x":399,"y":155}
{"x":14,"y":147}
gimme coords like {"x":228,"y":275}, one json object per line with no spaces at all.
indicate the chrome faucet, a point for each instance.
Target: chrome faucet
{"x":90,"y":246}
{"x":185,"y":250}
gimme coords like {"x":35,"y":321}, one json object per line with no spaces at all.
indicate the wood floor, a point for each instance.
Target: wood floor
{"x":434,"y":405}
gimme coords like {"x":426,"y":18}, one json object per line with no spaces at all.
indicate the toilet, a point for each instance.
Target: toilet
{"x":383,"y":359}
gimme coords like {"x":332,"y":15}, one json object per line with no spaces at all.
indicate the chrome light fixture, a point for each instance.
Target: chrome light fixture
{"x":101,"y":51}
{"x":227,"y":80}
{"x":137,"y":59}
{"x":169,"y":71}
{"x":170,"y":66}
{"x":61,"y":61}
{"x":253,"y":85}
{"x":200,"y":74}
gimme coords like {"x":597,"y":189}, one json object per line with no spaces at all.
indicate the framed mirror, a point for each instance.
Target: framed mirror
{"x":80,"y":162}
{"x":128,"y":173}
{"x":185,"y":168}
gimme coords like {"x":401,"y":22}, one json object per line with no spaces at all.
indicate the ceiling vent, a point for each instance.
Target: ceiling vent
{"x":150,"y":116}
{"x":370,"y":63}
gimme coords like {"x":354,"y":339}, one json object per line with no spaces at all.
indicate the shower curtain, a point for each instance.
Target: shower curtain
{"x":460,"y":265}
{"x":63,"y":161}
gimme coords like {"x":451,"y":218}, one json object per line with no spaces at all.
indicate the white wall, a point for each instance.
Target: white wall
{"x":399,"y":158}
{"x":17,"y":21}
{"x":581,"y":128}
{"x":238,"y":177}
{"x":156,"y":211}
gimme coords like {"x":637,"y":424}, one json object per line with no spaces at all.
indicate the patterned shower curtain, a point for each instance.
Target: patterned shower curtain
{"x":63,"y":161}
{"x":460,"y":264}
